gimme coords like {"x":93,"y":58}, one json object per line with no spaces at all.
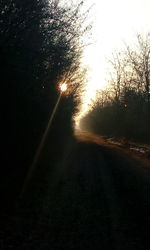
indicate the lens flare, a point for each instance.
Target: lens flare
{"x":63,"y":87}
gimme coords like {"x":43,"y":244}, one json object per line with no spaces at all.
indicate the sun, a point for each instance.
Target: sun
{"x":63,"y":87}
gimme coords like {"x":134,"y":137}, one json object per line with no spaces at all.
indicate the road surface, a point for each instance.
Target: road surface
{"x":98,"y":197}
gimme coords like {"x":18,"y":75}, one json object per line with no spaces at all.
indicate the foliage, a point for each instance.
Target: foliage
{"x":40,"y":46}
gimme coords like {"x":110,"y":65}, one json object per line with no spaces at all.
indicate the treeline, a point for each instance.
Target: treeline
{"x":40,"y":46}
{"x":123,"y":109}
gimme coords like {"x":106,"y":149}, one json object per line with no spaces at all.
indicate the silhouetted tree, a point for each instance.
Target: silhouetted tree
{"x":40,"y":46}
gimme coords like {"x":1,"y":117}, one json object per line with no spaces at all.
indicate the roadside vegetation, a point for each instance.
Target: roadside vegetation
{"x":41,"y":44}
{"x":123,"y":109}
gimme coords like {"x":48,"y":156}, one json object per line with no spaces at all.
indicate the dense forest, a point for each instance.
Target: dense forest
{"x":40,"y":46}
{"x":122,"y":110}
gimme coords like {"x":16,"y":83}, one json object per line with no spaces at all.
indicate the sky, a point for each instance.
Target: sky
{"x":114,"y":22}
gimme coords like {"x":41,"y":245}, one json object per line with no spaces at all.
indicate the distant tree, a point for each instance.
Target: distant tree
{"x":103,"y":97}
{"x":116,"y":75}
{"x":139,"y":60}
{"x":123,"y":110}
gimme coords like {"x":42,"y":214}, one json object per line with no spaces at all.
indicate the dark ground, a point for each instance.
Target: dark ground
{"x":96,"y":197}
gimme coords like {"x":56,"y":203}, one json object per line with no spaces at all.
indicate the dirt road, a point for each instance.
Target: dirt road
{"x":97,"y":198}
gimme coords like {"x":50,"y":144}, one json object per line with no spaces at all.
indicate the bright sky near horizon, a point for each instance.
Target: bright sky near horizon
{"x":115,"y":22}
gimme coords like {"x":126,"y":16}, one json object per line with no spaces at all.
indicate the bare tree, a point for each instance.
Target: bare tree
{"x":139,"y":61}
{"x":119,"y":75}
